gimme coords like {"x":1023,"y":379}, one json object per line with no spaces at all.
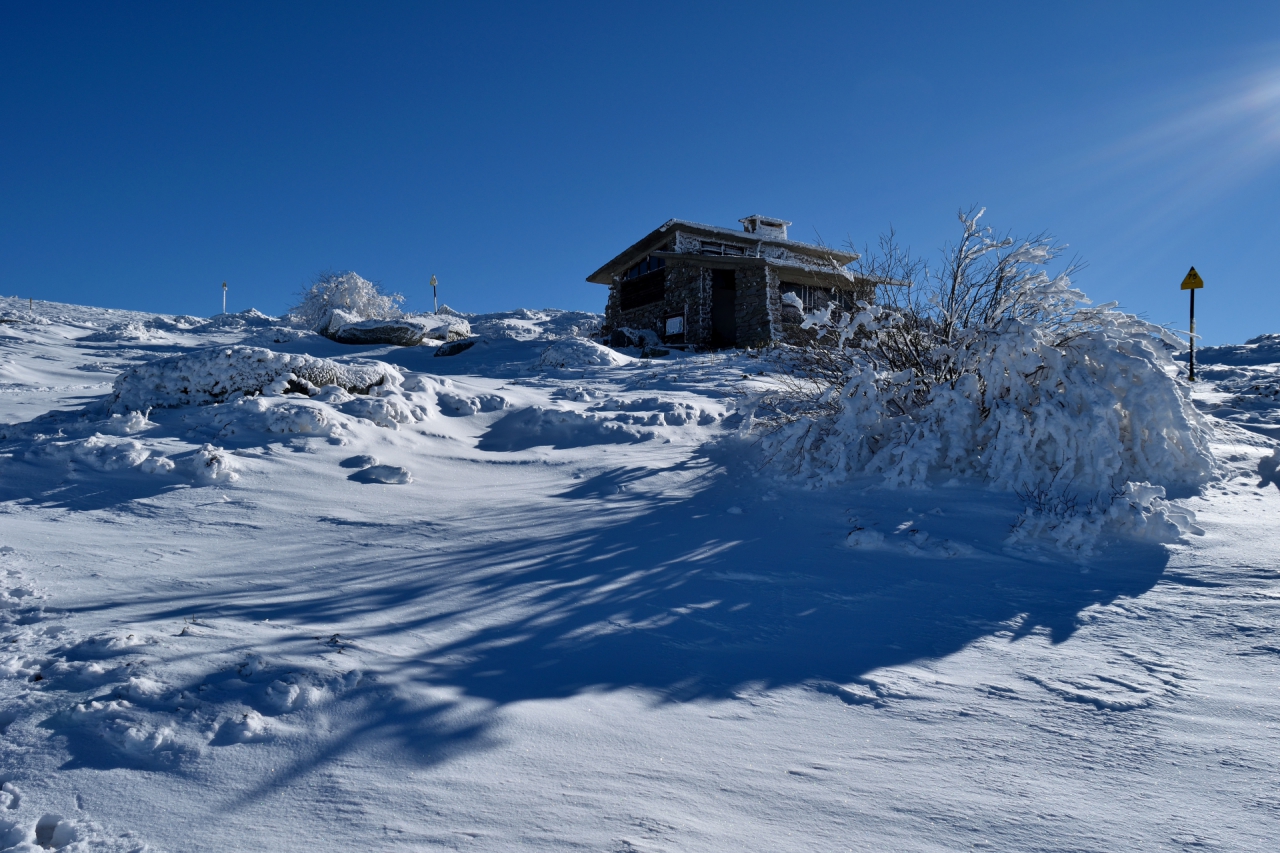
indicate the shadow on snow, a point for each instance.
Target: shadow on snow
{"x":611,"y":586}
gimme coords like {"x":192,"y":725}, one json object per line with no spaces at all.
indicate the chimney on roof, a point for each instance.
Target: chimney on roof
{"x":765,"y":226}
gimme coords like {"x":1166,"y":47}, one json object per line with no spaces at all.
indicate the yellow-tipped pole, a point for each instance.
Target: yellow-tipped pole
{"x":1192,"y":282}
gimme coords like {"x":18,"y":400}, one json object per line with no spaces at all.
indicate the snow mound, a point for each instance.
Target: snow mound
{"x":538,"y":427}
{"x":444,"y":324}
{"x":125,"y":332}
{"x":1139,"y":512}
{"x":1264,"y":349}
{"x":101,"y":453}
{"x":213,"y":465}
{"x":178,"y":323}
{"x":12,"y":316}
{"x":581,"y":353}
{"x":275,"y":335}
{"x":213,"y":375}
{"x":654,"y":411}
{"x":386,"y":474}
{"x":252,"y":318}
{"x":526,"y":325}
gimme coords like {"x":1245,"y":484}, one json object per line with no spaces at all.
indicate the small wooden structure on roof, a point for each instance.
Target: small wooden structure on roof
{"x":708,"y":287}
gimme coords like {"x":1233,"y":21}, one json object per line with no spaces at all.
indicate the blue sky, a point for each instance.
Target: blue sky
{"x":150,"y":152}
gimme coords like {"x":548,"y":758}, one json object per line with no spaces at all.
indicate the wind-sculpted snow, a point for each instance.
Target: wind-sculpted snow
{"x":213,"y":375}
{"x":534,"y":607}
{"x":538,"y":427}
{"x":1264,"y":349}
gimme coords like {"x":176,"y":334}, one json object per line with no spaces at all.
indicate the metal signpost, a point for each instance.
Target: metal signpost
{"x":1192,"y":282}
{"x":434,"y":298}
{"x":224,"y":297}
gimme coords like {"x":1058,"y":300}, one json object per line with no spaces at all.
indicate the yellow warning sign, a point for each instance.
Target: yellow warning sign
{"x":1193,"y":281}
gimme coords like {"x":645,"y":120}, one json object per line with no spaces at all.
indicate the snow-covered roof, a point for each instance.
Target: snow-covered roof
{"x":664,"y":232}
{"x":824,"y":275}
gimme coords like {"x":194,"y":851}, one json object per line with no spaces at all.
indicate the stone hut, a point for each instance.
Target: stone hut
{"x":706,"y":287}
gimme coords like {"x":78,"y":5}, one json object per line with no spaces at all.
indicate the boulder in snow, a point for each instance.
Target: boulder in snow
{"x":402,"y":332}
{"x":455,"y":347}
{"x":212,"y":375}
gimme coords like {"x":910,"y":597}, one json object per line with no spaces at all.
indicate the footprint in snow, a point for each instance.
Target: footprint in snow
{"x":364,"y":460}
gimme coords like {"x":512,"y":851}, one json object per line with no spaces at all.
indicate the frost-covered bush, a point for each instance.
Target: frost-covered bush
{"x":338,"y":298}
{"x":1022,"y":385}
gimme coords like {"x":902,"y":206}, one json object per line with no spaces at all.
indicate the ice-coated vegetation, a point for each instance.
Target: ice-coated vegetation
{"x":339,"y":298}
{"x":1001,"y":373}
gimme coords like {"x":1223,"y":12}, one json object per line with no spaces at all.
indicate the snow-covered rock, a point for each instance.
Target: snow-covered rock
{"x":385,"y":474}
{"x":212,"y":375}
{"x":402,"y":332}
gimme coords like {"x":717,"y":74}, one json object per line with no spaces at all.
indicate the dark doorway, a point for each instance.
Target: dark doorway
{"x":724,"y":322}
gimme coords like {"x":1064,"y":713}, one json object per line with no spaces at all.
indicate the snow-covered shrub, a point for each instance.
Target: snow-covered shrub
{"x":212,"y":465}
{"x":212,"y":375}
{"x":338,"y":298}
{"x":1003,"y":374}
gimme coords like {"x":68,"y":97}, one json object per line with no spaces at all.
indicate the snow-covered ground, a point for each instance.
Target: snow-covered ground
{"x":539,"y":595}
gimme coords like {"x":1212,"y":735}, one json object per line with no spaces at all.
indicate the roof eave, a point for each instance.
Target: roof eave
{"x":645,"y":245}
{"x":604,"y":275}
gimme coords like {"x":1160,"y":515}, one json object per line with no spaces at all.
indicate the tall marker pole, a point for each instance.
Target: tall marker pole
{"x":1191,"y":341}
{"x":435,"y":299}
{"x":224,"y":297}
{"x":1192,"y":282}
